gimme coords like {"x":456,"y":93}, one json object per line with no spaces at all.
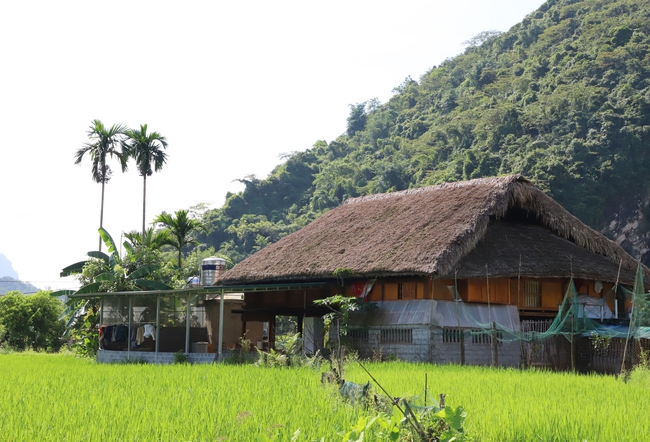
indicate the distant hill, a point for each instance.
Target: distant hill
{"x":6,"y":268}
{"x":563,"y":98}
{"x":9,"y":284}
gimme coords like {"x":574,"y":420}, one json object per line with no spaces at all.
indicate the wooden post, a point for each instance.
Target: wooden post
{"x":573,"y":346}
{"x":272,"y":333}
{"x":494,"y":344}
{"x":462,"y":346}
{"x":522,"y":355}
{"x":461,"y":332}
{"x":627,"y":339}
{"x":299,"y":325}
{"x":487,"y":283}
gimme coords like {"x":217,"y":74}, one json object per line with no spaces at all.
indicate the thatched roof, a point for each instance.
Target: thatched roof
{"x":438,"y":231}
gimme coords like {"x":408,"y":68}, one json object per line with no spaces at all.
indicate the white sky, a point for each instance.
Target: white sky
{"x":232,"y":85}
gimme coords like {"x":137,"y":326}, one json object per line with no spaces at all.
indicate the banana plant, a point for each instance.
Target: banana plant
{"x":113,"y":276}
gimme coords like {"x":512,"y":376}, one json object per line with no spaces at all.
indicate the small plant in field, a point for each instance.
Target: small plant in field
{"x":180,"y":357}
{"x":600,"y":342}
{"x":366,"y":426}
{"x":241,"y":355}
{"x":289,"y":354}
{"x":640,"y":374}
{"x":271,"y":358}
{"x":341,"y":307}
{"x":444,"y":425}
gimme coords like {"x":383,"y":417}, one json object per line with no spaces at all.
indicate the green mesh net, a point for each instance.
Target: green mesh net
{"x":575,"y":317}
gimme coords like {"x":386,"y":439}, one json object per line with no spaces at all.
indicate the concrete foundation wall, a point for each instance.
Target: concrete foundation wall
{"x":110,"y":356}
{"x":427,"y":345}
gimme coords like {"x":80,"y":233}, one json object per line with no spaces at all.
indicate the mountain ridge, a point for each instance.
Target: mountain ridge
{"x":562,"y":98}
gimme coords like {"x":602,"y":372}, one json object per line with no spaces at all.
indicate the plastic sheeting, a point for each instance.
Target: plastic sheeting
{"x":621,"y":331}
{"x":407,"y":312}
{"x":594,"y":308}
{"x":449,"y":314}
{"x":438,"y":313}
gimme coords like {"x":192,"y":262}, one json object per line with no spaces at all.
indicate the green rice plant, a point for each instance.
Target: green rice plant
{"x":514,"y":405}
{"x":66,"y":398}
{"x":59,"y":398}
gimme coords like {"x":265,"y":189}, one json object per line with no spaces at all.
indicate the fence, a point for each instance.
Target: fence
{"x":605,"y":355}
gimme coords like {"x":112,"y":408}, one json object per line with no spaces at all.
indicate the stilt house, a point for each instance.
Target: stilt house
{"x":442,"y":263}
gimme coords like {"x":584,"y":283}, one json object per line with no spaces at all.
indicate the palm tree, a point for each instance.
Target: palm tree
{"x":103,"y":143}
{"x":147,"y":150}
{"x":180,"y":227}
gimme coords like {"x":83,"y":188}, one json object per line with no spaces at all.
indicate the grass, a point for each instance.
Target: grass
{"x":511,"y":405}
{"x":63,"y":398}
{"x":50,"y":397}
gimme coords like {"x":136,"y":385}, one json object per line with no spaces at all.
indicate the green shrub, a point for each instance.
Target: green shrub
{"x":180,"y":357}
{"x":32,"y":321}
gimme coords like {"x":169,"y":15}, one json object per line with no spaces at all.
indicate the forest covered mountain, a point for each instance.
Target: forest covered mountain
{"x":563,"y":98}
{"x":9,"y":284}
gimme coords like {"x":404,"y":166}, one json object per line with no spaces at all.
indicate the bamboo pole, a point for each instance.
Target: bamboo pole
{"x":627,"y":339}
{"x":629,"y":327}
{"x":616,"y":289}
{"x":492,"y":348}
{"x":573,"y":348}
{"x":408,"y":414}
{"x":461,"y":333}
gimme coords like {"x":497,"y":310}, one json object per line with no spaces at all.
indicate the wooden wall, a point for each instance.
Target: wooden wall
{"x":396,"y":289}
{"x":287,"y":299}
{"x":501,"y":291}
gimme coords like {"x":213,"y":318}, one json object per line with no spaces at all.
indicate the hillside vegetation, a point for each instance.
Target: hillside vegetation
{"x":561,"y":98}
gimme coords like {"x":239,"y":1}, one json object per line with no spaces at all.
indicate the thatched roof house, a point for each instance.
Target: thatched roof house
{"x":443,"y":231}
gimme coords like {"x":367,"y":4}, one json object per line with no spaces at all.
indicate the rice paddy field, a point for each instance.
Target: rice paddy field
{"x":63,"y":398}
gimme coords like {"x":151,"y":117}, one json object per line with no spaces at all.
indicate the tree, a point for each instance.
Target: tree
{"x":102,"y":273}
{"x":357,"y":118}
{"x":180,"y":227}
{"x":104,"y":143}
{"x":32,"y":321}
{"x":153,"y":240}
{"x":112,"y":273}
{"x":147,"y":149}
{"x":481,"y":38}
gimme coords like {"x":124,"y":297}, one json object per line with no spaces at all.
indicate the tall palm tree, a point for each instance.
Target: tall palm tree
{"x":148,"y":151}
{"x":180,"y":227}
{"x":104,"y":142}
